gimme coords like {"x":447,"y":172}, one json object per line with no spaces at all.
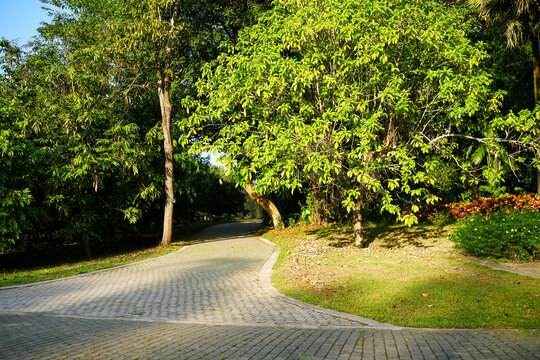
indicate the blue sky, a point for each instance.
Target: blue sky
{"x":19,"y":19}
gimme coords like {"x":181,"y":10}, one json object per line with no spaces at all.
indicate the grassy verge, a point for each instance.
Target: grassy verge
{"x":10,"y":277}
{"x":42,"y":265}
{"x":407,"y":277}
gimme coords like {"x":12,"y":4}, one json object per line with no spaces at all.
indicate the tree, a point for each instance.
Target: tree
{"x":521,"y":18}
{"x":152,"y":28}
{"x":153,"y":37}
{"x":82,"y":149}
{"x":171,"y":38}
{"x":267,"y":204}
{"x":16,"y":157}
{"x":354,"y":94}
{"x":82,"y":129}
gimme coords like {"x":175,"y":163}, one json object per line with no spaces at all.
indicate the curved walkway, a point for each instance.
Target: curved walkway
{"x":213,"y":300}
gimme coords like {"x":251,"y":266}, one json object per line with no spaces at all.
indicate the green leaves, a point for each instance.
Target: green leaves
{"x":343,"y":93}
{"x":132,"y":214}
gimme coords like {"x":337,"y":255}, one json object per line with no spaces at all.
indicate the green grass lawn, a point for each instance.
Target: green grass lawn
{"x":18,"y":268}
{"x":31,"y":274}
{"x":407,"y":277}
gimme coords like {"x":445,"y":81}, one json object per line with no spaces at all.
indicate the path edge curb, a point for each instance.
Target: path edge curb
{"x":498,"y":267}
{"x":265,"y":275}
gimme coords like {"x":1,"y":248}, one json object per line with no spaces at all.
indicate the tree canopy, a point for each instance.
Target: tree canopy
{"x":80,"y":119}
{"x":327,"y":110}
{"x":350,"y":97}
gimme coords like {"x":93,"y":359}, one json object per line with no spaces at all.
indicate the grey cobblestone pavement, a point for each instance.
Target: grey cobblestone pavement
{"x":211,"y":300}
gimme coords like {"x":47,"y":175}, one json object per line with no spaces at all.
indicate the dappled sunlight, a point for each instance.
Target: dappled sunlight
{"x":184,"y":284}
{"x":456,"y":300}
{"x":216,"y":281}
{"x":108,"y":292}
{"x":397,"y":236}
{"x":419,"y":282}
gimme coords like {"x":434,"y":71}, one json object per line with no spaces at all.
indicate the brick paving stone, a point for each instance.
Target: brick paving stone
{"x":357,"y":350}
{"x":507,"y":347}
{"x":314,"y":347}
{"x":325,"y":346}
{"x":339,"y":345}
{"x":73,"y":338}
{"x":350,"y":344}
{"x":211,"y":300}
{"x":474,"y":347}
{"x":451,"y":347}
{"x":310,"y":336}
{"x":379,"y":346}
{"x":390,"y":346}
{"x":233,"y":348}
{"x":403,"y":348}
{"x":424,"y":347}
{"x":435,"y":346}
{"x":213,"y":282}
{"x":264,"y":341}
{"x":272,"y":349}
{"x":289,"y":350}
{"x":368,"y":345}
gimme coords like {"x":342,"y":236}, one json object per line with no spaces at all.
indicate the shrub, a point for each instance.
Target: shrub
{"x":482,"y":206}
{"x":508,"y":234}
{"x":486,"y":206}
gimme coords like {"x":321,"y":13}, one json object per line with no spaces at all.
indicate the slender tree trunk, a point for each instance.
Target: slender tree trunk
{"x":359,"y":239}
{"x":267,"y":205}
{"x":316,"y":202}
{"x":317,"y":218}
{"x":536,"y":73}
{"x":536,"y":67}
{"x":164,"y":86}
{"x":166,"y":111}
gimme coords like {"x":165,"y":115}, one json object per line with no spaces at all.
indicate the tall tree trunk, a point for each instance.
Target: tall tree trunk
{"x":316,"y":202}
{"x":536,"y":73}
{"x":164,"y":87}
{"x":359,"y":239}
{"x":166,"y":111}
{"x":267,"y":205}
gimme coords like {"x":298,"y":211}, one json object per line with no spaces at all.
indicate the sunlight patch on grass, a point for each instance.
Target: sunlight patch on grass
{"x":406,"y":277}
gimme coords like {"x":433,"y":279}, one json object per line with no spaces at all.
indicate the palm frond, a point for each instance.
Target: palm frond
{"x":521,"y":17}
{"x":515,"y":33}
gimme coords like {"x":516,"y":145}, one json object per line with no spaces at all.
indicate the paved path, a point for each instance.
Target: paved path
{"x":212,"y":300}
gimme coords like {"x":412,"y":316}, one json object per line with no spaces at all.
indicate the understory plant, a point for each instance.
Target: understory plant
{"x":505,"y":234}
{"x":482,"y":206}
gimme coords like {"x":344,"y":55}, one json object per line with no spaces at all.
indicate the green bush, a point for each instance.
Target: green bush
{"x":507,"y":234}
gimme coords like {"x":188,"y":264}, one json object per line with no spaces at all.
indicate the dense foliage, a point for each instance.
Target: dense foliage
{"x":331,"y":109}
{"x":356,"y":103}
{"x":512,"y":235}
{"x":81,"y":151}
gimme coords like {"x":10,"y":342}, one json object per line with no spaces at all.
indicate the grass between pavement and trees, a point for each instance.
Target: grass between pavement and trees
{"x":407,"y":277}
{"x":17,"y":268}
{"x":69,"y":265}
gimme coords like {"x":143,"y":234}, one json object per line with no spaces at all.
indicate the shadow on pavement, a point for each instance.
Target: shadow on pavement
{"x":227,"y":231}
